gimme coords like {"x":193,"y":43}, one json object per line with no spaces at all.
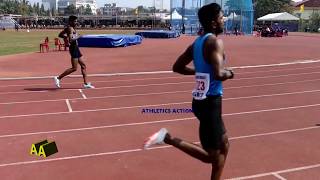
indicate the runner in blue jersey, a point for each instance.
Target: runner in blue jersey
{"x":207,"y":54}
{"x":72,"y":36}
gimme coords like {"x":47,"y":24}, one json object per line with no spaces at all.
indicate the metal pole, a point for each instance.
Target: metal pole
{"x":183,"y":15}
{"x":170,"y":11}
{"x":241,"y":17}
{"x":154,"y":13}
{"x":161,"y":5}
{"x":116,"y":18}
{"x":138,"y":18}
{"x":241,"y":21}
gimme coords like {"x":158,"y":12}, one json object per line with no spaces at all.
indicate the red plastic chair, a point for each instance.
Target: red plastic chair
{"x":66,"y":43}
{"x":58,"y":44}
{"x":45,"y":45}
{"x":257,"y":34}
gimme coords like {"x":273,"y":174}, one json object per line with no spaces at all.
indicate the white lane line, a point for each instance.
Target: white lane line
{"x":108,"y":81}
{"x":69,"y":158}
{"x":278,"y":64}
{"x":152,"y":105}
{"x":173,"y":83}
{"x":279,"y":70}
{"x":273,"y":84}
{"x":82,"y":94}
{"x":130,"y":151}
{"x":109,"y":87}
{"x":95,"y":110}
{"x":167,"y":92}
{"x":271,"y":95}
{"x":276,"y":172}
{"x":168,"y":72}
{"x":270,"y":110}
{"x":278,"y":176}
{"x":93,"y":75}
{"x":97,"y":127}
{"x":174,"y":92}
{"x":161,"y":84}
{"x":159,"y":78}
{"x":145,"y":123}
{"x":68,"y":105}
{"x":275,"y":76}
{"x":275,"y":133}
{"x":97,"y":97}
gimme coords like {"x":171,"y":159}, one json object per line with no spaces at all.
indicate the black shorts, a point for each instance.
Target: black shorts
{"x":212,"y":129}
{"x":75,"y":52}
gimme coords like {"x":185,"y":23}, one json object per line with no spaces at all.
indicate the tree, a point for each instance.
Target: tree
{"x":234,"y":5}
{"x":264,"y":7}
{"x":34,"y":9}
{"x":23,"y":7}
{"x":9,"y":7}
{"x":48,"y":12}
{"x":2,"y":6}
{"x":87,"y":10}
{"x":53,"y":12}
{"x":80,"y":10}
{"x":38,"y":9}
{"x":141,"y":9}
{"x":30,"y":9}
{"x":260,"y":7}
{"x":42,"y":10}
{"x":314,"y":22}
{"x":71,"y":9}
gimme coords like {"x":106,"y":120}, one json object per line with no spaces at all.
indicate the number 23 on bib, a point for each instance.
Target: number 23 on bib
{"x":202,"y":86}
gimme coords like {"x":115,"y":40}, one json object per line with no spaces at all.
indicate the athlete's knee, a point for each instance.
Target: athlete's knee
{"x":212,"y":157}
{"x":226,"y":145}
{"x":83,"y":67}
{"x":73,"y":69}
{"x":218,"y":160}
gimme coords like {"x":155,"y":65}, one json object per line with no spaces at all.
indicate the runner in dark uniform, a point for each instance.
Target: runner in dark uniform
{"x":71,"y":35}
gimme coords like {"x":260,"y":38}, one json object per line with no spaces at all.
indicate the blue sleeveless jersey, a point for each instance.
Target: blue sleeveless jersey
{"x":206,"y":85}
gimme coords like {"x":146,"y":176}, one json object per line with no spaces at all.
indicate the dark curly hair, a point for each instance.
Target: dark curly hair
{"x":207,"y":14}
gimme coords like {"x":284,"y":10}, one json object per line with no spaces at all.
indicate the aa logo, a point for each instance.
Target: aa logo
{"x":44,"y":148}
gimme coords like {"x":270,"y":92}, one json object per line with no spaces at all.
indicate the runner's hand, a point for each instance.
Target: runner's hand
{"x":231,"y":71}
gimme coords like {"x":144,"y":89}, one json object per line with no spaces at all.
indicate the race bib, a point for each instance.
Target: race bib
{"x":74,"y":36}
{"x":202,"y":86}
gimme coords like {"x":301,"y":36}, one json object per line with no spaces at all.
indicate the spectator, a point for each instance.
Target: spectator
{"x":16,"y":26}
{"x":236,"y":31}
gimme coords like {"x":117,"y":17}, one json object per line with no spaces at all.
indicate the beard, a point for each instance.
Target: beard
{"x":218,"y":30}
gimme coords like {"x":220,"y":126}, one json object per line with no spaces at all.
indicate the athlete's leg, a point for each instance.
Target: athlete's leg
{"x":214,"y":141}
{"x":66,"y":72}
{"x":83,"y":70}
{"x":73,"y":68}
{"x":218,"y":165}
{"x":206,"y":156}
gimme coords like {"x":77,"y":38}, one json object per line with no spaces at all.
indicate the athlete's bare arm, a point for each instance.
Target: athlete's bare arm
{"x":62,"y":34}
{"x":67,"y":33}
{"x":70,"y":31}
{"x":214,"y":53}
{"x":180,"y":66}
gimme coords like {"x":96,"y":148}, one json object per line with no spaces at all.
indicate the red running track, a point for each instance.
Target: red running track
{"x":271,"y":114}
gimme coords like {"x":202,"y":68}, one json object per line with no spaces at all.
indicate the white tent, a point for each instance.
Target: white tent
{"x":233,"y":16}
{"x":175,"y":16}
{"x":278,"y":17}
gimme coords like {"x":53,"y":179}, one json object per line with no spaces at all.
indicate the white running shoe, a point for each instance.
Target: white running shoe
{"x":57,"y":82}
{"x":156,"y":138}
{"x":88,"y":86}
